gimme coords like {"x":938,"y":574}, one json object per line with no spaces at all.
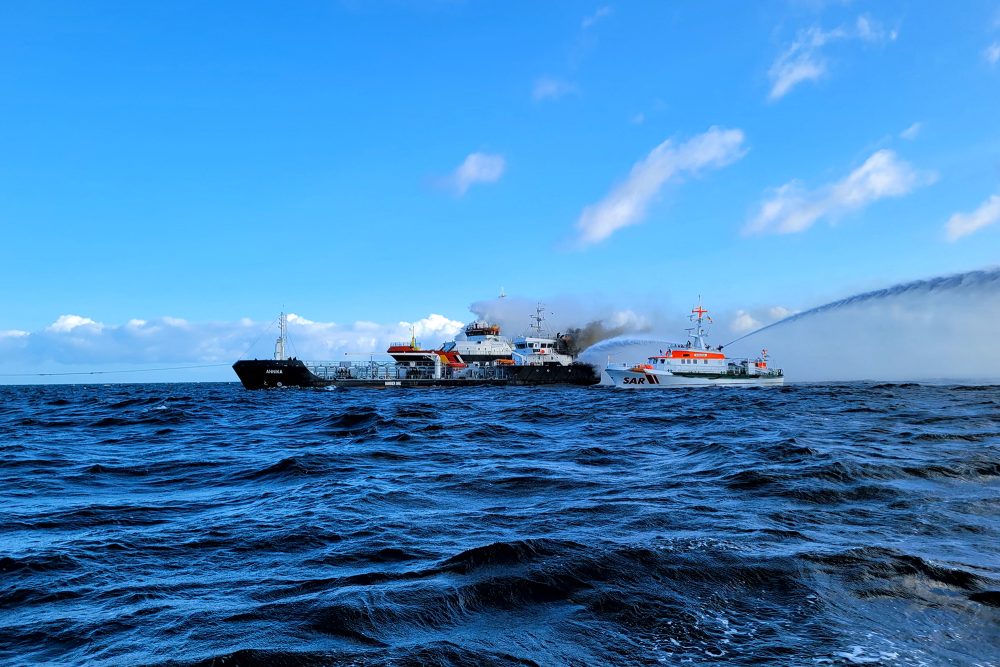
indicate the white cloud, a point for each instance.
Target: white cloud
{"x":992,"y":53}
{"x":751,"y":319}
{"x":793,"y":208}
{"x":13,"y":333}
{"x":434,"y":325}
{"x":963,"y":224}
{"x":477,"y":168}
{"x":298,"y":319}
{"x":803,"y":60}
{"x":638,"y":119}
{"x":911,"y":132}
{"x":743,"y":321}
{"x":626,"y":204}
{"x":788,"y":73}
{"x":547,"y":88}
{"x":67,"y":323}
{"x":601,"y":13}
{"x":779,"y":312}
{"x":868,"y":30}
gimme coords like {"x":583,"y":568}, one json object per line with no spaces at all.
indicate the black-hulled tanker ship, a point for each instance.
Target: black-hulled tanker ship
{"x":483,"y":357}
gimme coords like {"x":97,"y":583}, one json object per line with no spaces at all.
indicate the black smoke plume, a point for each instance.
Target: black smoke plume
{"x":580,"y":338}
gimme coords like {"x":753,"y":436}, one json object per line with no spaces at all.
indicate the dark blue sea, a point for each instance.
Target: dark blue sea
{"x":205,"y":524}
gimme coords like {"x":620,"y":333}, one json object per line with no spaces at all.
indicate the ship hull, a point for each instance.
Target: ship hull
{"x":575,"y":373}
{"x":629,"y":379}
{"x":274,"y":374}
{"x":271,"y":373}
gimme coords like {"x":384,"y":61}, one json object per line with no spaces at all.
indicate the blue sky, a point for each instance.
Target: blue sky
{"x":385,"y":161}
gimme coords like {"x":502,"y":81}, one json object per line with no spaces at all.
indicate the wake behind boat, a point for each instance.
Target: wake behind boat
{"x":694,"y":364}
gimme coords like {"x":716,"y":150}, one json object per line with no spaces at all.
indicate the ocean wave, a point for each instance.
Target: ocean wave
{"x":203,"y":524}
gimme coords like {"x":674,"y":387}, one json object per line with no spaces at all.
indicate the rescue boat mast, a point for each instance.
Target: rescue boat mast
{"x":697,"y":333}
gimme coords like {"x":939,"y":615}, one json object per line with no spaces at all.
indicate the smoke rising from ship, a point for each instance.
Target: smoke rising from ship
{"x":563,"y":315}
{"x":592,"y":333}
{"x":936,"y":329}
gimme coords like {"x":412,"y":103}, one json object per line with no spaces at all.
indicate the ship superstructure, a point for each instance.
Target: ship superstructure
{"x":694,"y":364}
{"x":538,"y":348}
{"x":482,"y":344}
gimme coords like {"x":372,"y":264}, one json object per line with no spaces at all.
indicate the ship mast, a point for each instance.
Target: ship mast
{"x":537,"y":319}
{"x":698,"y":315}
{"x":279,"y":345}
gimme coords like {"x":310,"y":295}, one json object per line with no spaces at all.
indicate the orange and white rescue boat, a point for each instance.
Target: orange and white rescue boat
{"x":694,"y":364}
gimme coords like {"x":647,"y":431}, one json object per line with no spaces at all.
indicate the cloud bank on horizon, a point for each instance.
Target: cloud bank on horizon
{"x":74,"y":340}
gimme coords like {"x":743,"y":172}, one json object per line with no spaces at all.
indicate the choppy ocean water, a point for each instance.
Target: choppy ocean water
{"x":204,"y":524}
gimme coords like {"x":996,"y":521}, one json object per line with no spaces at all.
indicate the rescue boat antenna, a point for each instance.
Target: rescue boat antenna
{"x":279,"y":345}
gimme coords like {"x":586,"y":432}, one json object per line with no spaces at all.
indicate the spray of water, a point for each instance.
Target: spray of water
{"x":973,"y":283}
{"x":943,"y":328}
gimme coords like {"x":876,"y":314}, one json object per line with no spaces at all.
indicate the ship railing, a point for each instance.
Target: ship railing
{"x":390,"y":370}
{"x":344,"y":370}
{"x":745,"y":367}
